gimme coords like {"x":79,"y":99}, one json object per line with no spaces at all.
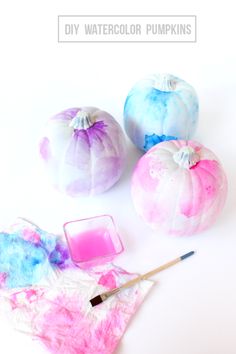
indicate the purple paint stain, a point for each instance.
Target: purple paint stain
{"x":83,"y":140}
{"x":68,"y":114}
{"x":97,"y":130}
{"x":59,"y":256}
{"x":79,"y":186}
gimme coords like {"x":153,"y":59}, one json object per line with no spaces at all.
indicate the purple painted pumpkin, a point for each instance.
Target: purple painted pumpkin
{"x":84,"y":151}
{"x":179,"y":187}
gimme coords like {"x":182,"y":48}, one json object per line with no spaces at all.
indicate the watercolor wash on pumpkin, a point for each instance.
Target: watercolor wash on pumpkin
{"x":160,"y":108}
{"x":177,"y":195}
{"x":84,"y":151}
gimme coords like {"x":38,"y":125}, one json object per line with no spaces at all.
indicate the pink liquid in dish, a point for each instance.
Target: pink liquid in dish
{"x":91,"y":244}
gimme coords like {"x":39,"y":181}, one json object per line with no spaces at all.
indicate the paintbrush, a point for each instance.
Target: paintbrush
{"x":104,"y":296}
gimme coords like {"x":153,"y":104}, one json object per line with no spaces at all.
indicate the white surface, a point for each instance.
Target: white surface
{"x":192,"y":309}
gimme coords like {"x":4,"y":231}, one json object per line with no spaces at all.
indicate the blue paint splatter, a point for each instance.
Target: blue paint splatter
{"x":151,"y":140}
{"x":21,"y":262}
{"x":27,"y":254}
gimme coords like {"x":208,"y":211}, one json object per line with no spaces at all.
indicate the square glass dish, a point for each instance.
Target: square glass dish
{"x":92,"y":241}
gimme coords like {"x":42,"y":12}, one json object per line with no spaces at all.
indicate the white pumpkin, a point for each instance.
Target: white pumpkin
{"x":83,"y":150}
{"x":179,"y":186}
{"x":159,"y":108}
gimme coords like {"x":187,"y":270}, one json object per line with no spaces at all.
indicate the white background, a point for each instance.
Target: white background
{"x":192,"y":308}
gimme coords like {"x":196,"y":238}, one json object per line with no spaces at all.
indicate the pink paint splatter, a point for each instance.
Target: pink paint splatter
{"x":108,"y":280}
{"x":63,"y":328}
{"x":30,"y":235}
{"x":63,"y":319}
{"x":24,"y":297}
{"x":3,"y":277}
{"x":144,"y":176}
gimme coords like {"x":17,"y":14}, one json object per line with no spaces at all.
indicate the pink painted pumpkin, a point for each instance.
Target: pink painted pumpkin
{"x":179,"y":187}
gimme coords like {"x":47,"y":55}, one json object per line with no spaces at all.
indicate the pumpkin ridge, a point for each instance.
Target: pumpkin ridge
{"x":188,"y":115}
{"x":190,"y":211}
{"x":63,"y":161}
{"x":107,"y":137}
{"x":213,"y":203}
{"x":167,"y":180}
{"x":195,"y":113}
{"x":183,"y":104}
{"x":114,"y":146}
{"x":199,"y":223}
{"x":147,"y":96}
{"x":91,"y":174}
{"x":98,"y":125}
{"x":165,"y":148}
{"x":177,"y":198}
{"x":176,"y":144}
{"x":66,"y":115}
{"x":74,"y":139}
{"x":151,"y":153}
{"x":192,"y":194}
{"x":164,"y":159}
{"x":157,"y":93}
{"x":205,"y":169}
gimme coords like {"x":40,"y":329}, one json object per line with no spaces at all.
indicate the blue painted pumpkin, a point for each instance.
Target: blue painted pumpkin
{"x":161,"y":107}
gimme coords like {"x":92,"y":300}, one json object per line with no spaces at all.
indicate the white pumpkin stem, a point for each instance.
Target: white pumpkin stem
{"x":164,"y":82}
{"x":186,"y":157}
{"x":82,"y":120}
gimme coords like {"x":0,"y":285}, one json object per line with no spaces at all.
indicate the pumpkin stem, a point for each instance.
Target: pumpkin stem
{"x":82,"y":120}
{"x":164,"y":82}
{"x":186,"y":157}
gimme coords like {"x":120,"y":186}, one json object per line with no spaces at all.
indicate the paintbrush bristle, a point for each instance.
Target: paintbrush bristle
{"x":96,"y":300}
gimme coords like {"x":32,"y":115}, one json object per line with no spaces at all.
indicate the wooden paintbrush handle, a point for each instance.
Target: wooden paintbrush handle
{"x":102,"y":297}
{"x":159,"y":269}
{"x":149,"y":274}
